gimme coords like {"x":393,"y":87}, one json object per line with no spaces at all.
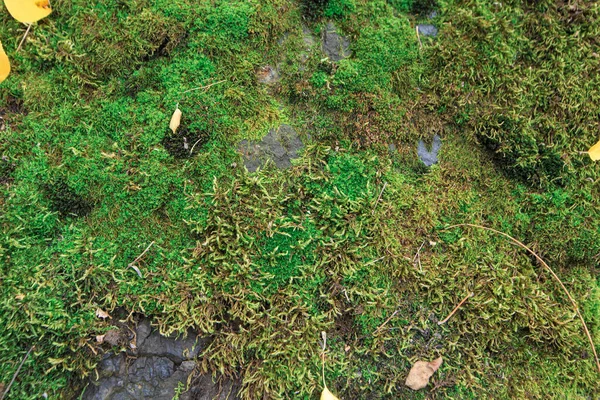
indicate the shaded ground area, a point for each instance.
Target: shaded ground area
{"x":280,"y":146}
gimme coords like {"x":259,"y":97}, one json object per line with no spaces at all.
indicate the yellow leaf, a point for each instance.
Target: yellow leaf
{"x":28,"y":11}
{"x":4,"y":64}
{"x":175,"y":120}
{"x":327,"y":395}
{"x":594,"y":151}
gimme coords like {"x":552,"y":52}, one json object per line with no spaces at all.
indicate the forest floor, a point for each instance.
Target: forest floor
{"x":346,"y":232}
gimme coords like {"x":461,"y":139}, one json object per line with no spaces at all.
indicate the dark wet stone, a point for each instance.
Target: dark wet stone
{"x":429,"y":157}
{"x":335,"y":46}
{"x":427,"y":30}
{"x":154,"y":370}
{"x":280,"y":145}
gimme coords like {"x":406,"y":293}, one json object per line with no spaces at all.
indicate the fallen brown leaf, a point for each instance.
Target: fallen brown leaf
{"x":100,"y":313}
{"x":419,"y":374}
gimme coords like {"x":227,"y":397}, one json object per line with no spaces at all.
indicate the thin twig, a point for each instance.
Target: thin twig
{"x":142,"y":255}
{"x":132,"y":264}
{"x":418,"y":37}
{"x":385,"y":323}
{"x":24,"y":36}
{"x":455,"y":309}
{"x":16,"y":373}
{"x":197,"y":141}
{"x":417,"y":257}
{"x":418,"y":251}
{"x":573,"y":302}
{"x":203,"y":87}
{"x":324,"y":336}
{"x":379,"y":198}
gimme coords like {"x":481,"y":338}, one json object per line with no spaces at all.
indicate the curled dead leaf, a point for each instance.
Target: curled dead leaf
{"x":28,"y":11}
{"x":100,"y":338}
{"x":175,"y":119}
{"x":419,"y":374}
{"x":100,"y":313}
{"x":594,"y":152}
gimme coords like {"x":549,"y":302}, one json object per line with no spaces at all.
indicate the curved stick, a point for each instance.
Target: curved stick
{"x":585,"y":328}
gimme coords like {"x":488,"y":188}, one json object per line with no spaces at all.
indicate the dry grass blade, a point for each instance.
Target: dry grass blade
{"x":573,"y":302}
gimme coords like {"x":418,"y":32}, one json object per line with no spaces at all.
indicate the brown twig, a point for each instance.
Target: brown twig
{"x":379,"y":198}
{"x":455,"y":309}
{"x":132,"y":264}
{"x":142,"y":255}
{"x":573,"y":302}
{"x":385,"y":322}
{"x":24,"y":36}
{"x":16,"y":373}
{"x":203,"y":87}
{"x":417,"y":256}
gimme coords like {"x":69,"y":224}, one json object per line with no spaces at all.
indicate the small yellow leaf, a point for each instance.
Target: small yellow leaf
{"x":28,"y":11}
{"x":327,"y":395}
{"x":4,"y":64}
{"x":594,"y":151}
{"x":100,"y":313}
{"x":175,"y":120}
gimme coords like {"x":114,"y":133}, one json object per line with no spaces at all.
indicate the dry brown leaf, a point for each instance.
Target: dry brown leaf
{"x":112,"y":337}
{"x":100,"y":313}
{"x":175,"y":119}
{"x":419,"y":374}
{"x":20,"y":297}
{"x":100,"y":338}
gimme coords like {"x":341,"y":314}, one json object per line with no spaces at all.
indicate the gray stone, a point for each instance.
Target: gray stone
{"x":204,"y":388}
{"x":427,"y":30}
{"x":268,"y":75}
{"x":154,"y":370}
{"x":335,"y":46}
{"x":279,"y":145}
{"x":429,"y":157}
{"x":176,"y":349}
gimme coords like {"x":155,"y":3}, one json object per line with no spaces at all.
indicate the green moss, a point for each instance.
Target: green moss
{"x":350,"y":240}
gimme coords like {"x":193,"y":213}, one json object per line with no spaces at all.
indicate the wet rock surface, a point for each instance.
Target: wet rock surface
{"x":427,"y":30}
{"x":429,"y":157}
{"x":281,"y":145}
{"x":335,"y":46}
{"x":156,"y":369}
